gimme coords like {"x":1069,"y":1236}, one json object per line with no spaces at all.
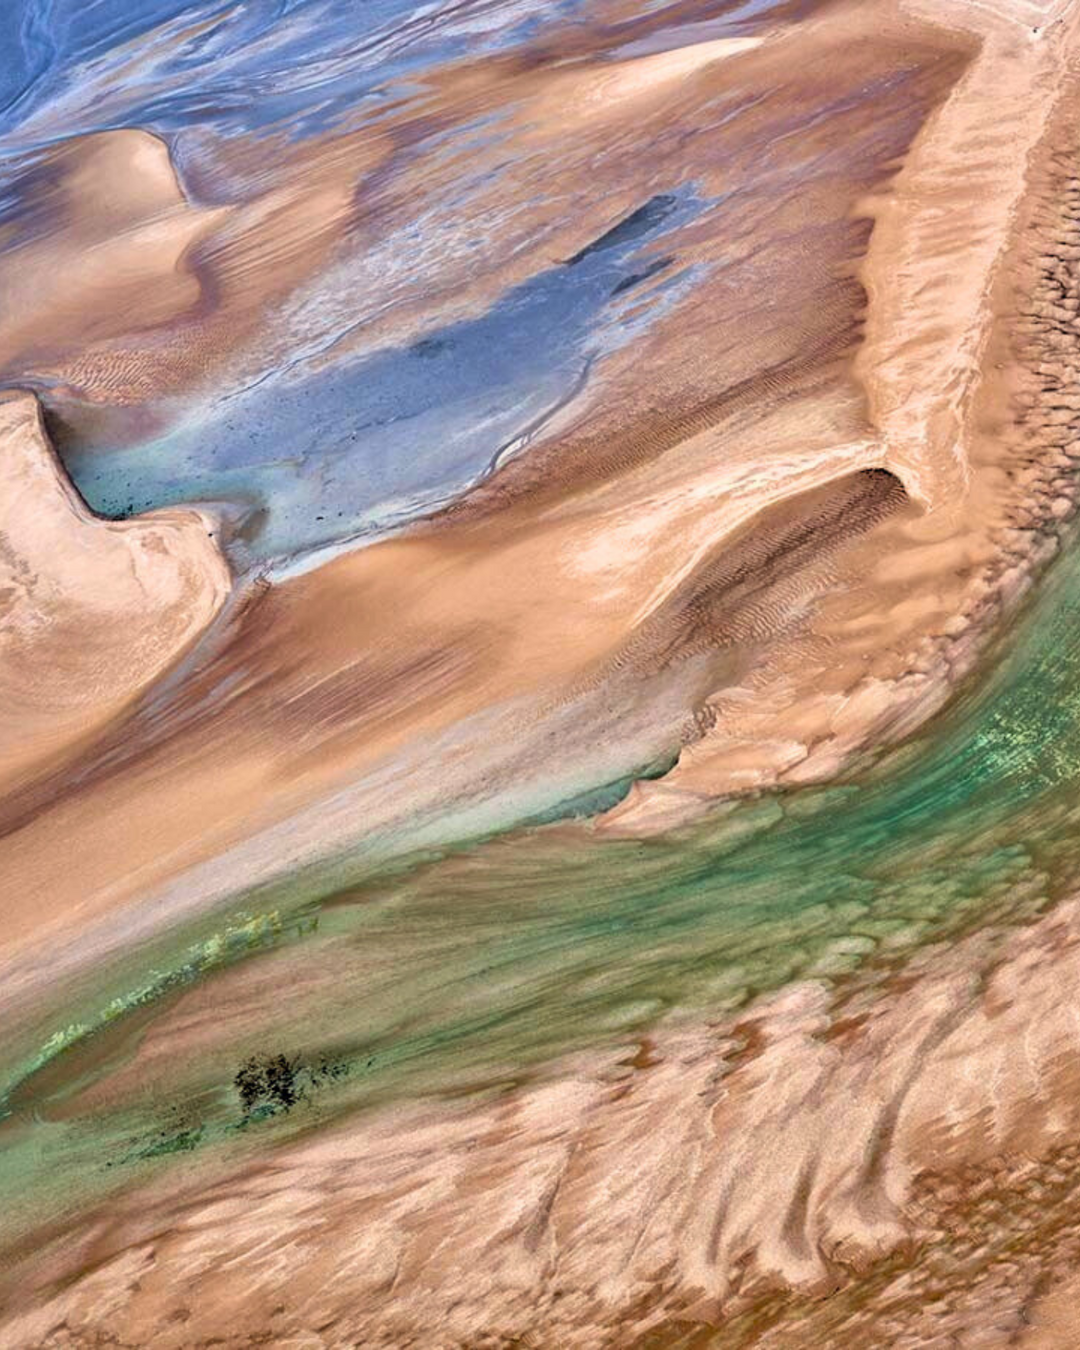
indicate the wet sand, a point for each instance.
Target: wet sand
{"x":562,"y":560}
{"x":538,"y":586}
{"x":814,"y":464}
{"x":883,"y":1158}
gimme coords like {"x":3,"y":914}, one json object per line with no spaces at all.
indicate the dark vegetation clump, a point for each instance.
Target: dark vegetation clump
{"x":250,"y":1082}
{"x":281,"y":1081}
{"x":267,"y":1084}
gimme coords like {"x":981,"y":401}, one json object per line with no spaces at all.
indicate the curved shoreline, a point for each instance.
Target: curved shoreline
{"x":865,"y":1153}
{"x":1003,"y":534}
{"x":603,"y":564}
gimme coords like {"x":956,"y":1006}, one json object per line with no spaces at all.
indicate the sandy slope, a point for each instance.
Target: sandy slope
{"x":575,"y":557}
{"x":718,"y":544}
{"x":93,"y":611}
{"x":887,"y":1161}
{"x":597,"y":561}
{"x":952,"y":264}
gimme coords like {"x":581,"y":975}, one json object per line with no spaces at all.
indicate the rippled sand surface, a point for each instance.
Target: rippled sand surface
{"x":539,"y":717}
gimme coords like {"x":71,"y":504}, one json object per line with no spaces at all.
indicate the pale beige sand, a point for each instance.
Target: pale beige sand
{"x":315,"y":682}
{"x":542,"y":582}
{"x":955,"y":265}
{"x":132,"y":290}
{"x":883,"y":1161}
{"x":1053,"y":1319}
{"x":93,"y":611}
{"x":562,"y":169}
{"x":116,"y":254}
{"x":578,"y":96}
{"x":723,"y":1171}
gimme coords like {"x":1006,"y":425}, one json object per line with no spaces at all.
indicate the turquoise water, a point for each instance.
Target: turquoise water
{"x":472,"y":969}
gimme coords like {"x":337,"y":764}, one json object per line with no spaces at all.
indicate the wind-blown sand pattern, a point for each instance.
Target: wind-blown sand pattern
{"x":540,"y":720}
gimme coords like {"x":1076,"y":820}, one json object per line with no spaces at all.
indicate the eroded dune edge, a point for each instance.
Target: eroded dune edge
{"x":761,"y":570}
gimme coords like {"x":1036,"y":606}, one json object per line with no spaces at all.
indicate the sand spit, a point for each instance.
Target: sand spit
{"x":888,"y":1160}
{"x":781,"y":547}
{"x":499,"y":629}
{"x":968,"y":277}
{"x":94,"y":611}
{"x":283,"y":736}
{"x":583,"y":95}
{"x":542,"y":590}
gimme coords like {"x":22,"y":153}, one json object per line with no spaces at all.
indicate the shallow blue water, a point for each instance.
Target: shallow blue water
{"x":315,"y":456}
{"x":170,"y":64}
{"x":303,"y":457}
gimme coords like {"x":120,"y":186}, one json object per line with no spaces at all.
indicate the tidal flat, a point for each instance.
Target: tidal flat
{"x":540,"y":674}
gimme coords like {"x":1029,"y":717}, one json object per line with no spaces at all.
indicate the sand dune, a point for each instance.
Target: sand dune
{"x":884,"y":1163}
{"x":824,"y":444}
{"x":94,"y":611}
{"x":960,"y":237}
{"x":536,"y":590}
{"x":529,"y":592}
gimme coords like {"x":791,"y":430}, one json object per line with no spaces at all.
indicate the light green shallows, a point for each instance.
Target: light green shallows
{"x":475,"y":968}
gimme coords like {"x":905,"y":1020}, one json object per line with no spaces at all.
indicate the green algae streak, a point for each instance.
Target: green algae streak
{"x":471,"y":969}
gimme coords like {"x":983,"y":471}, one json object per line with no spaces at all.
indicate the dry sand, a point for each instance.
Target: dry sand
{"x":536,"y":587}
{"x":888,"y":1160}
{"x":575,"y":553}
{"x":693,"y":512}
{"x":94,"y":611}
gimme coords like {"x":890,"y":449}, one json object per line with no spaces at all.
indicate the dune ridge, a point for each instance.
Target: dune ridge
{"x":776,"y":551}
{"x":522,"y":605}
{"x":94,"y":611}
{"x":949,"y":382}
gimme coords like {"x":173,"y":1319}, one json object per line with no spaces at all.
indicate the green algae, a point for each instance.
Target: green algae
{"x":470,"y":968}
{"x":239,"y":937}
